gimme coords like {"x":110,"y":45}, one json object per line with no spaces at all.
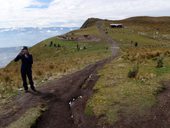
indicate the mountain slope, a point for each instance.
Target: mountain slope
{"x":54,"y":58}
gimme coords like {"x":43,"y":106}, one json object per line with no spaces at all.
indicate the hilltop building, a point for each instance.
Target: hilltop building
{"x":116,"y":25}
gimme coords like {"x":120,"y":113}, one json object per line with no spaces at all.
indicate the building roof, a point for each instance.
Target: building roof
{"x":116,"y":24}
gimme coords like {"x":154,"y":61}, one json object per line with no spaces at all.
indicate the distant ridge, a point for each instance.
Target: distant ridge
{"x":162,"y":22}
{"x":90,"y":22}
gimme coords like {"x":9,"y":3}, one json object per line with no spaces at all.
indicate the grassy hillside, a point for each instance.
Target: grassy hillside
{"x":53,"y":60}
{"x":116,"y":94}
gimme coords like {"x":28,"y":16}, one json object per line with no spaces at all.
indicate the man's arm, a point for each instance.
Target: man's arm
{"x":17,"y":58}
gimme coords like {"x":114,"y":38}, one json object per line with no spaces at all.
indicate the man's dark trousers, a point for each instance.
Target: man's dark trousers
{"x":24,"y":74}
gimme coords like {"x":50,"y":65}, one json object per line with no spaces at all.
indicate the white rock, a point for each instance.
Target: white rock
{"x":20,"y":89}
{"x":80,"y":97}
{"x":72,"y":116}
{"x":70,"y":103}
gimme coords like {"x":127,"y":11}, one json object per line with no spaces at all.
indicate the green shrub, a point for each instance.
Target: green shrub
{"x":160,"y":62}
{"x":133,"y":72}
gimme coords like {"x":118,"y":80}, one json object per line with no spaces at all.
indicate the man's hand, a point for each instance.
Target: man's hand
{"x":26,"y":56}
{"x":21,"y":53}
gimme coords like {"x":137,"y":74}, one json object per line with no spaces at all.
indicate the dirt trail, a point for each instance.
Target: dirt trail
{"x":60,"y":112}
{"x":107,"y":38}
{"x":65,"y":98}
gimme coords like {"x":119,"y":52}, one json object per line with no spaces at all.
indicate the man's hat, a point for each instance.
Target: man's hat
{"x":25,"y":48}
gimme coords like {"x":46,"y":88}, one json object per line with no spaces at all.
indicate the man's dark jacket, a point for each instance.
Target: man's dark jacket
{"x":26,"y":61}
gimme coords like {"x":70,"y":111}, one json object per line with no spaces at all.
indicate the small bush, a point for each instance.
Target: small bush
{"x":51,"y":66}
{"x":160,"y":62}
{"x":39,"y":73}
{"x":78,"y":47}
{"x":58,"y":45}
{"x":51,"y":44}
{"x":133,"y":72}
{"x":84,"y":47}
{"x":7,"y":79}
{"x":86,"y":36}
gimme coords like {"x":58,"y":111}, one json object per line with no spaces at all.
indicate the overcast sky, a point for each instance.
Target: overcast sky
{"x":40,"y":13}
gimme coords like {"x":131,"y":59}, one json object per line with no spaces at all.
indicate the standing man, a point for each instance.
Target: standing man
{"x":26,"y":68}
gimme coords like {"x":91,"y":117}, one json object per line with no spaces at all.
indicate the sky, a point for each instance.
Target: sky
{"x":72,"y":13}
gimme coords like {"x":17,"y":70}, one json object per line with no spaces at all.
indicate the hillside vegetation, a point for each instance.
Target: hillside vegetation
{"x":54,"y":58}
{"x":144,"y":43}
